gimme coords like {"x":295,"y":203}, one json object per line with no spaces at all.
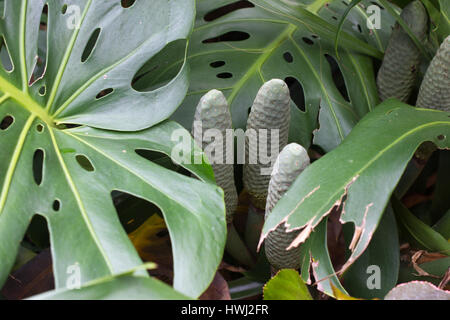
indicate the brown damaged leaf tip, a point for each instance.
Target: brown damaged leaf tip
{"x":264,"y":236}
{"x":309,"y":226}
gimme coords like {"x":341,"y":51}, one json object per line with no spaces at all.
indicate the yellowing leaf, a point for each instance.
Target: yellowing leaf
{"x":152,"y":240}
{"x":286,"y":285}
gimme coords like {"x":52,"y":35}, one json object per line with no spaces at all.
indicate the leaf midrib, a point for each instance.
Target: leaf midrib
{"x":79,"y":201}
{"x":67,"y":54}
{"x":369,"y":163}
{"x":257,"y":65}
{"x":24,"y":72}
{"x":87,"y":83}
{"x":22,"y":96}
{"x":25,"y":101}
{"x":14,"y":161}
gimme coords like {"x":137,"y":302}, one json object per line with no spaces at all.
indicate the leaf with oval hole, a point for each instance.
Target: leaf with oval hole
{"x":67,"y":173}
{"x":152,"y":242}
{"x":236,"y":46}
{"x":59,"y":57}
{"x":365,"y":168}
{"x":73,"y":193}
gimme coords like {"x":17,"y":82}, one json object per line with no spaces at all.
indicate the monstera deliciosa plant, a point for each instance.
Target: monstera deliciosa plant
{"x":93,"y":92}
{"x":71,"y":131}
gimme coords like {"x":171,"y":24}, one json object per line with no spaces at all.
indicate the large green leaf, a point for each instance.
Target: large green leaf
{"x":85,"y":227}
{"x":279,"y":40}
{"x":361,"y":174}
{"x":68,"y":175}
{"x":72,"y":85}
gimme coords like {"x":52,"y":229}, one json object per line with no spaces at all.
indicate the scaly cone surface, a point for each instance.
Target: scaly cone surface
{"x":401,"y":60}
{"x":291,"y":162}
{"x":213,"y":115}
{"x":434,"y":92}
{"x":267,"y":133}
